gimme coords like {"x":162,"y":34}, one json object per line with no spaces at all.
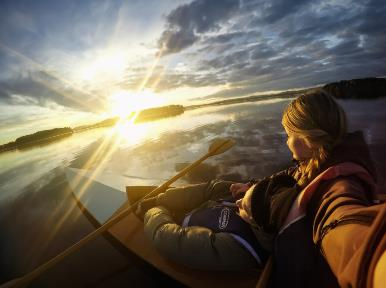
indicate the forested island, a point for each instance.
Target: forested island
{"x":152,"y":114}
{"x":105,"y":123}
{"x":37,"y":138}
{"x":46,"y":136}
{"x":253,"y":98}
{"x":366,"y":88}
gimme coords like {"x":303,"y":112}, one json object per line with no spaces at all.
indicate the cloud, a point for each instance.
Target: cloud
{"x":308,"y":44}
{"x":186,"y":23}
{"x":373,"y":19}
{"x":173,"y":41}
{"x":275,"y":10}
{"x":40,"y":88}
{"x":159,"y":82}
{"x":248,"y":46}
{"x":225,"y":37}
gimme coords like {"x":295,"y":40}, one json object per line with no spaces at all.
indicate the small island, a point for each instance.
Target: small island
{"x":152,"y":114}
{"x":51,"y":135}
{"x":37,"y":138}
{"x":105,"y":123}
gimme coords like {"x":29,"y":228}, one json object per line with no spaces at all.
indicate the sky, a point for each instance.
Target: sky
{"x":66,"y":63}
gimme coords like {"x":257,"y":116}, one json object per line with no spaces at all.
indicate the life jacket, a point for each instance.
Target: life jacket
{"x":223,"y":218}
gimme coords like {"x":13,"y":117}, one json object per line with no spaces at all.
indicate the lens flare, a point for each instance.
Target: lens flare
{"x":122,"y":103}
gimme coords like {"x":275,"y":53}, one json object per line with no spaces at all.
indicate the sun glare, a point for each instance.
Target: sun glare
{"x":131,"y":133}
{"x":108,"y":63}
{"x":125,"y":102}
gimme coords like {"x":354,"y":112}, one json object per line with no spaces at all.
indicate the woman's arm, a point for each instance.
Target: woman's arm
{"x":346,"y":229}
{"x":195,"y":247}
{"x":379,"y":279}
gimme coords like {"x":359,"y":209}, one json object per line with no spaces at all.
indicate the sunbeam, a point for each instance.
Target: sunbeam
{"x":63,"y":80}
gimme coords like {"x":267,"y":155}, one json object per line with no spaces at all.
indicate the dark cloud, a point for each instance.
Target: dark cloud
{"x":187,"y":22}
{"x":249,"y":45}
{"x":262,"y":51}
{"x":263,"y":12}
{"x":225,"y":37}
{"x":218,"y":49}
{"x":173,"y":41}
{"x":235,"y":37}
{"x":40,"y":88}
{"x":316,"y":38}
{"x":373,"y":20}
{"x":322,"y":45}
{"x":304,"y":45}
{"x":275,"y":10}
{"x":228,"y":59}
{"x":4,"y":95}
{"x":307,"y":25}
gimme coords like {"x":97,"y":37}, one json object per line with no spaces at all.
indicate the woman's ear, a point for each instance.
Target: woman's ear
{"x":308,"y":148}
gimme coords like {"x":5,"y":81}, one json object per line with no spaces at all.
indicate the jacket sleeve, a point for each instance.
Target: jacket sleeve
{"x":345,"y":229}
{"x":190,"y":197}
{"x":195,"y":247}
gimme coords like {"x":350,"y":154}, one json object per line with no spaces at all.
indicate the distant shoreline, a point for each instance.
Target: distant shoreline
{"x":253,"y":98}
{"x":367,"y":88}
{"x":146,"y":115}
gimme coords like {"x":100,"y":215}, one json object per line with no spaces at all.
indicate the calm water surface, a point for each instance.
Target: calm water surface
{"x":39,"y":217}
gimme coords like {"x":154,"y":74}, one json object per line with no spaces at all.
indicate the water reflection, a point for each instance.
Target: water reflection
{"x":38,"y":217}
{"x":153,"y":148}
{"x":130,"y":133}
{"x":255,"y":128}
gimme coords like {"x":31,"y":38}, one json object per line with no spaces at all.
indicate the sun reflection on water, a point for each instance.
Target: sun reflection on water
{"x":130,"y":133}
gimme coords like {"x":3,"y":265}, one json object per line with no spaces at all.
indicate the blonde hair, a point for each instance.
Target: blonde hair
{"x":321,"y":122}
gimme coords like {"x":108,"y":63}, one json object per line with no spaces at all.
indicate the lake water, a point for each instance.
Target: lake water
{"x":39,"y":217}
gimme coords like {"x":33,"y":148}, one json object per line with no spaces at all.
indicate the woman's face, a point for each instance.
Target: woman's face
{"x":298,"y":146}
{"x":244,"y":205}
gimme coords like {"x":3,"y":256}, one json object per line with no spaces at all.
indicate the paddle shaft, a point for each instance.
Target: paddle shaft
{"x":44,"y":267}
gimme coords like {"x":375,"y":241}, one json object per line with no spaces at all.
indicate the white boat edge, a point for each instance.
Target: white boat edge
{"x":99,"y":199}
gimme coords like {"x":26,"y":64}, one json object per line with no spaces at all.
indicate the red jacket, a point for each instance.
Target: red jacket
{"x":334,"y":234}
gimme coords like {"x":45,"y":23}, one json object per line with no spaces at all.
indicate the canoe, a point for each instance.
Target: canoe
{"x":100,"y":200}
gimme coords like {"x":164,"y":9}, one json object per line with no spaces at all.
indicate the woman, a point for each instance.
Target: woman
{"x":332,"y":235}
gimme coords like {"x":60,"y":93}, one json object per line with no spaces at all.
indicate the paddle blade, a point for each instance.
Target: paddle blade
{"x":220,"y":145}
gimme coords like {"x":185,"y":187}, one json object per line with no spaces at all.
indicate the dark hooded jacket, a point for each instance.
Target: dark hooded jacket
{"x":338,"y":238}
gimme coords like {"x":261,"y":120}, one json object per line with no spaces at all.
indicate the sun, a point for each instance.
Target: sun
{"x":123,"y":102}
{"x":103,"y":70}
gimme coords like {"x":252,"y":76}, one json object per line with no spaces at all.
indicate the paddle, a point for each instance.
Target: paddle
{"x":217,"y":147}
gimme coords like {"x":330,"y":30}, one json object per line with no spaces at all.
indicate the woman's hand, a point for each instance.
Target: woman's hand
{"x":245,"y":209}
{"x":143,"y":206}
{"x":238,"y":189}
